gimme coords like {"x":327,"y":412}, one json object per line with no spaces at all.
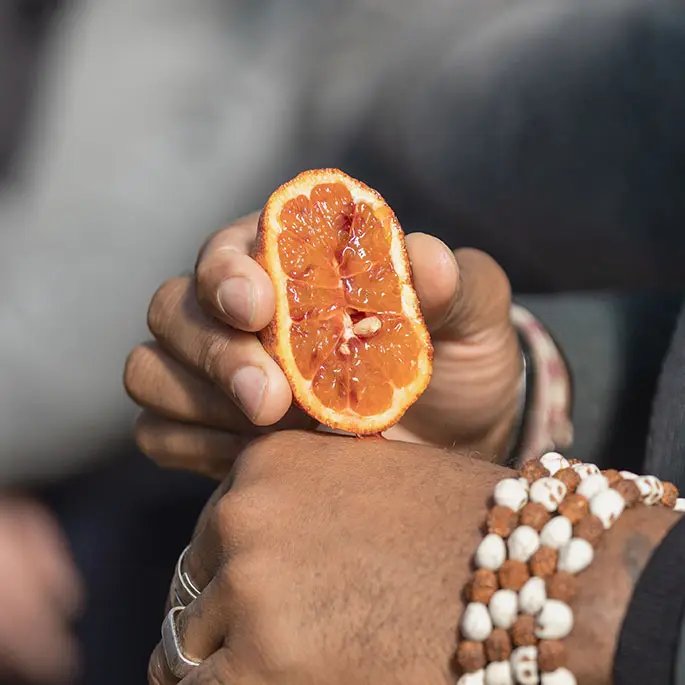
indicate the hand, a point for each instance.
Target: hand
{"x":348,"y":567}
{"x":344,"y":567}
{"x":39,"y":596}
{"x":207,"y":384}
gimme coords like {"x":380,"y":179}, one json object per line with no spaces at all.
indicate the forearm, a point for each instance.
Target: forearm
{"x":605,"y":590}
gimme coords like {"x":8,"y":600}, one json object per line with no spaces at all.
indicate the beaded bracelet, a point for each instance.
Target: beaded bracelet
{"x":541,"y":532}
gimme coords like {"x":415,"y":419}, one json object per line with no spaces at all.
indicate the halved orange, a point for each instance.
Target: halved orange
{"x":348,"y":331}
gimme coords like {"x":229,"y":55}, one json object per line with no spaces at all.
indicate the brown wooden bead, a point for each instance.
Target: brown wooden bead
{"x":569,"y":478}
{"x":523,"y":631}
{"x":562,"y":585}
{"x":629,"y":491}
{"x":533,"y":470}
{"x":534,"y":515}
{"x":589,"y":528}
{"x":483,"y":586}
{"x":513,"y":574}
{"x":498,"y":645}
{"x":544,"y":562}
{"x":470,"y":656}
{"x":670,"y":494}
{"x":574,"y":507}
{"x":613,"y":476}
{"x":501,"y":521}
{"x":551,"y":655}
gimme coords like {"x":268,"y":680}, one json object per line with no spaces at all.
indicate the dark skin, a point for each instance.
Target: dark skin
{"x":197,"y":380}
{"x":330,"y":559}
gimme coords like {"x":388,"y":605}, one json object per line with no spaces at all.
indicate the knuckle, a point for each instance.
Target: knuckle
{"x":225,"y":516}
{"x":213,"y":354}
{"x":240,"y":515}
{"x":216,"y":255}
{"x":165,"y":299}
{"x":208,"y":265}
{"x":208,"y":246}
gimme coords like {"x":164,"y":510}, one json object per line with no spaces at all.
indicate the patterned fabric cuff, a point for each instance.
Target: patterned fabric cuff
{"x":547,"y":425}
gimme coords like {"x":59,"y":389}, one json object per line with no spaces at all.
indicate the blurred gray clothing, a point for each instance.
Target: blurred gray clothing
{"x":548,"y":132}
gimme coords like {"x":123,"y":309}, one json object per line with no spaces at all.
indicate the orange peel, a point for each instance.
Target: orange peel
{"x":348,"y":330}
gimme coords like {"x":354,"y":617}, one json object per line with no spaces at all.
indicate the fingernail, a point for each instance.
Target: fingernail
{"x":236,"y":299}
{"x":249,"y":386}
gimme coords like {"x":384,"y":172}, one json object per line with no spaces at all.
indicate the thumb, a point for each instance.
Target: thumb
{"x":462,"y":293}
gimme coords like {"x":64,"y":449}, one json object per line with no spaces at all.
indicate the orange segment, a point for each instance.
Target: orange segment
{"x":305,"y":300}
{"x":371,"y":390}
{"x":396,"y":341}
{"x":348,"y":331}
{"x":307,"y":247}
{"x":313,"y":341}
{"x":375,"y":290}
{"x":367,"y":243}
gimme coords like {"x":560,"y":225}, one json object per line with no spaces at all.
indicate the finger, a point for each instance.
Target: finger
{"x":202,"y":625}
{"x":200,"y":628}
{"x":156,"y":381}
{"x":175,"y":445}
{"x":158,"y":671}
{"x":234,"y":360}
{"x":231,"y":286}
{"x":461,"y":294}
{"x":436,"y":276}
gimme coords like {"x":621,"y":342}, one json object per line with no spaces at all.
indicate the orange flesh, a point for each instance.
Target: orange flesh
{"x":336,"y":255}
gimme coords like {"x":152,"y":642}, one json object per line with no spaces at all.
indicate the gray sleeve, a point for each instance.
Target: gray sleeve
{"x":132,"y":161}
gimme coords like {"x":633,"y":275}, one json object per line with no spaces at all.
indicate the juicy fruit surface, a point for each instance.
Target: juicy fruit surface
{"x":348,"y":332}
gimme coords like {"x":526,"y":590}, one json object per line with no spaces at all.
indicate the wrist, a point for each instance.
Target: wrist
{"x":537,"y":604}
{"x":606,"y":590}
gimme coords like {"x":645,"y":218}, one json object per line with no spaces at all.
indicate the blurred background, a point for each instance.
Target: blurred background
{"x":548,"y":132}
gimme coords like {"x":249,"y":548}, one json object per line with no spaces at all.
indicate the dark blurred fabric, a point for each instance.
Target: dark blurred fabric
{"x":666,"y":447}
{"x":615,"y":345}
{"x":558,"y":148}
{"x":127,"y":524}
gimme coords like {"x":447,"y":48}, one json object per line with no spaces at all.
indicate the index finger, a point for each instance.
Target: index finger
{"x":230,"y":285}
